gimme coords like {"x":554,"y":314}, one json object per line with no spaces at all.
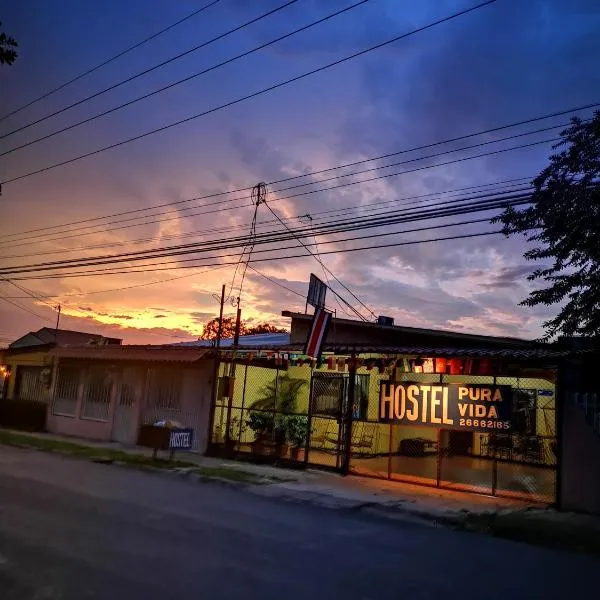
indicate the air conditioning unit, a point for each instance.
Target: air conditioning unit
{"x":387,"y":321}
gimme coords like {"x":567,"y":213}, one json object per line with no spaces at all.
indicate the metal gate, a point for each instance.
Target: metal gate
{"x":329,"y":399}
{"x":29,"y":385}
{"x":125,"y":417}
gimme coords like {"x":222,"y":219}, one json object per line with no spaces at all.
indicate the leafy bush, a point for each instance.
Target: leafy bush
{"x":296,"y":430}
{"x":262,"y":423}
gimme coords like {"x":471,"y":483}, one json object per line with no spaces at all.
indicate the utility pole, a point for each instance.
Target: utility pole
{"x":215,"y":375}
{"x":236,"y":342}
{"x":57,"y":323}
{"x":220,"y":329}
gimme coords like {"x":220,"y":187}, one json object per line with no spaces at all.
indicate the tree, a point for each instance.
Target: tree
{"x":563,"y":221}
{"x":211,"y":329}
{"x":262,"y":328}
{"x":7,"y":45}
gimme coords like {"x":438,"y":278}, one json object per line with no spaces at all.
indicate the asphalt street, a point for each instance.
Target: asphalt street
{"x":72,"y":530}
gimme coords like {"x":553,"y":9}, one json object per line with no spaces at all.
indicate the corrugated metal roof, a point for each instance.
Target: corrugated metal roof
{"x":539,"y":353}
{"x":255,"y":340}
{"x":134,"y":353}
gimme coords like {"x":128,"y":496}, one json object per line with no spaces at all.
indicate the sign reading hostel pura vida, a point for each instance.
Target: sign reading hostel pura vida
{"x":447,"y":406}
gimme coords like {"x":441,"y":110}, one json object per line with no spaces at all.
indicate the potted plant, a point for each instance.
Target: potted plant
{"x":278,"y":398}
{"x":296,"y":433}
{"x":230,"y":441}
{"x":262,"y":424}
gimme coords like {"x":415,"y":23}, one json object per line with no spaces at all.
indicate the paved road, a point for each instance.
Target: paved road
{"x":73,"y":530}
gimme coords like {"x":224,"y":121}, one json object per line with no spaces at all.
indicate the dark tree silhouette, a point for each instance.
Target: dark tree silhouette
{"x":262,"y":328}
{"x":563,"y":221}
{"x":8,"y":44}
{"x":211,"y":329}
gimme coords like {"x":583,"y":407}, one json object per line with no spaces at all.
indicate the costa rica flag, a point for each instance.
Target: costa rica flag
{"x":318,"y":333}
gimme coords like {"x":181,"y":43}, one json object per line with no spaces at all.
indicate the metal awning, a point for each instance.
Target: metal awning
{"x":133,"y":353}
{"x":535,"y":353}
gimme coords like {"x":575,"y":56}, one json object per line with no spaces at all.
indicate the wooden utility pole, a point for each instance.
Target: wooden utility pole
{"x":231,"y":386}
{"x":215,"y":376}
{"x":57,"y":324}
{"x":220,"y":329}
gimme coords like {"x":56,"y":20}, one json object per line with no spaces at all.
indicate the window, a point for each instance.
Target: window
{"x":524,"y":412}
{"x":29,"y":384}
{"x":165,"y":388}
{"x":330,"y":394}
{"x":96,"y":401}
{"x":65,"y":394}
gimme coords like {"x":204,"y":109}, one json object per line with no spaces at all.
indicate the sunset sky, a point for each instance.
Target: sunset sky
{"x":507,"y":62}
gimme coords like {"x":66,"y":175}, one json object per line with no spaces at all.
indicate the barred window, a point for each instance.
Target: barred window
{"x":65,"y":395}
{"x":96,"y":401}
{"x":165,"y":388}
{"x":330,"y":394}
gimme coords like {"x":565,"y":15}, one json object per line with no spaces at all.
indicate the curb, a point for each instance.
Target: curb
{"x":184,"y":473}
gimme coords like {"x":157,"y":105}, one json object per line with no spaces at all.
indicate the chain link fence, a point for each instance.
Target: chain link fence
{"x":297,"y":411}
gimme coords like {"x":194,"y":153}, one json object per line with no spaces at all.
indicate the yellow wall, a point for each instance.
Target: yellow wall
{"x":26,"y":359}
{"x":258,"y":377}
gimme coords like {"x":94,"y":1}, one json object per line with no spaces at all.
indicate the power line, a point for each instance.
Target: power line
{"x":108,"y":60}
{"x":325,"y":268}
{"x":403,"y":201}
{"x":437,"y":213}
{"x":121,"y":289}
{"x":148,"y":70}
{"x":23,"y":308}
{"x":483,"y":201}
{"x":297,"y":195}
{"x":30,"y":293}
{"x":179,"y":81}
{"x":484,"y":206}
{"x":281,"y":285}
{"x":318,"y":172}
{"x":373,"y":247}
{"x":254,"y":94}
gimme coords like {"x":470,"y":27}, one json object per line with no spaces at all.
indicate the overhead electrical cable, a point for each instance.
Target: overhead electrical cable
{"x":23,"y":308}
{"x":336,"y":227}
{"x":108,"y":60}
{"x":332,"y":226}
{"x":326,"y":269}
{"x":149,"y":69}
{"x":271,"y":259}
{"x":253,"y":94}
{"x":371,"y":207}
{"x":316,"y":172}
{"x":178,"y":82}
{"x":18,"y":241}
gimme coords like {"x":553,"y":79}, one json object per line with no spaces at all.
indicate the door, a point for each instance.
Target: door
{"x":328,"y":393}
{"x":125,"y":419}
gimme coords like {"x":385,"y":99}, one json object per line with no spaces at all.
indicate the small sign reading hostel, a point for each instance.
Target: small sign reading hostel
{"x":181,"y":439}
{"x":447,"y":406}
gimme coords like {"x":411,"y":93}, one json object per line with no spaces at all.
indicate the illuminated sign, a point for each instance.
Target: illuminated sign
{"x":447,"y":406}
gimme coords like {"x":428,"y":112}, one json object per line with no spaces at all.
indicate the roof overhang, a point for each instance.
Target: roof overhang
{"x":134,"y":353}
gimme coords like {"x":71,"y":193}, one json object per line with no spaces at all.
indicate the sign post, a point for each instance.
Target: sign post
{"x":317,"y":291}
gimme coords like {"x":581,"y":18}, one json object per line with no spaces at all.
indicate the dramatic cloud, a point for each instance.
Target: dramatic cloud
{"x":507,"y":62}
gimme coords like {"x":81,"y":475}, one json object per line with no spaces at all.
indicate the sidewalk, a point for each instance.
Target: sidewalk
{"x":382,"y":498}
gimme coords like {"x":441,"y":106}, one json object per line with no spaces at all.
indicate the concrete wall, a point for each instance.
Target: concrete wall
{"x":193,"y":410}
{"x":580,"y":483}
{"x":83,"y":428}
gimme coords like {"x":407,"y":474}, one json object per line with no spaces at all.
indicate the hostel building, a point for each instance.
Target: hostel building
{"x":481,"y":414}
